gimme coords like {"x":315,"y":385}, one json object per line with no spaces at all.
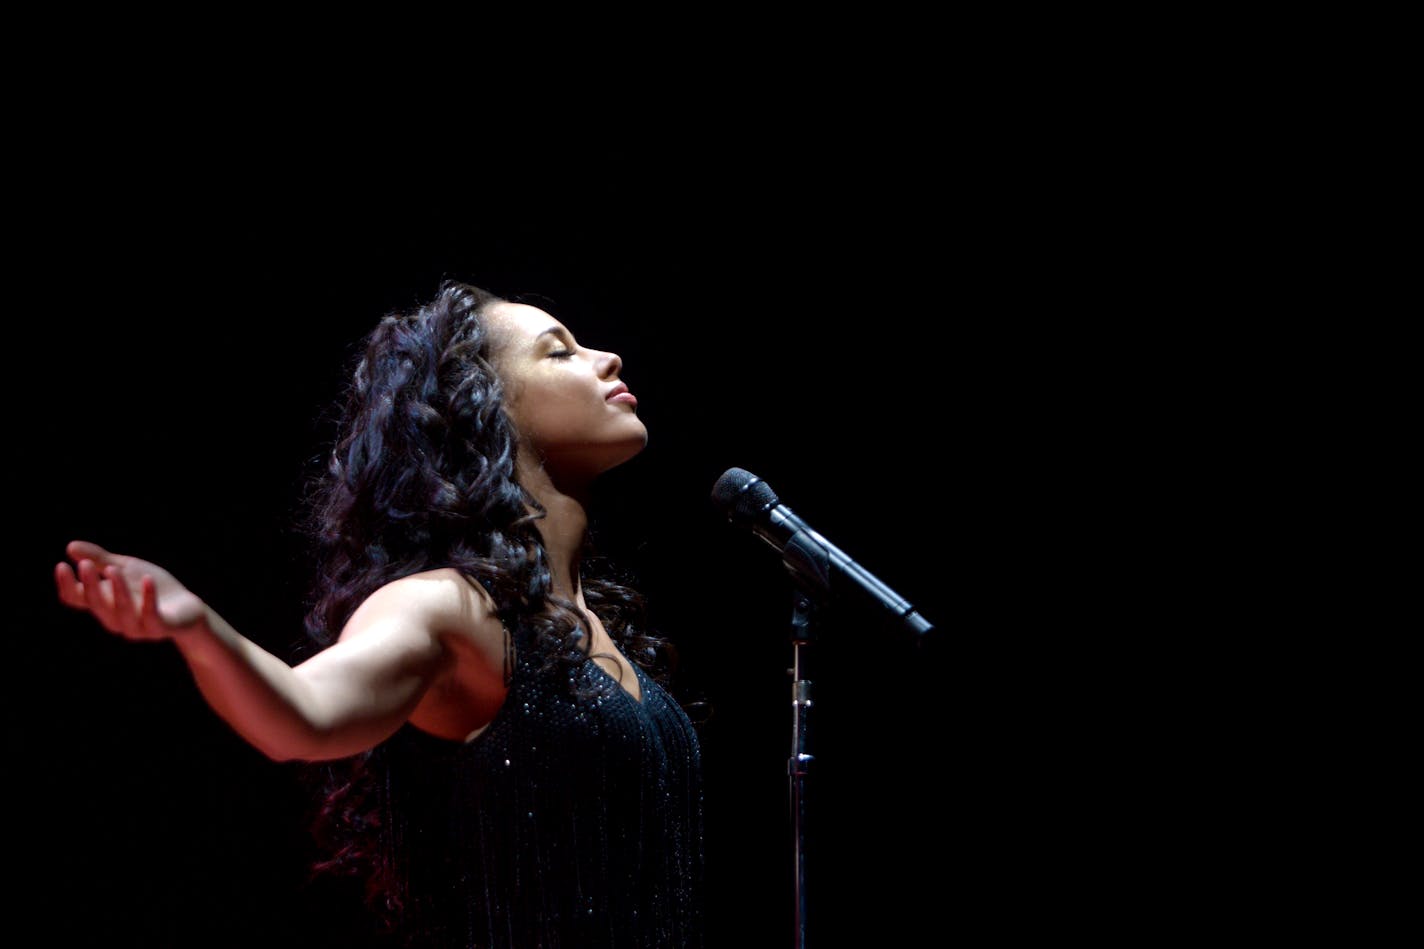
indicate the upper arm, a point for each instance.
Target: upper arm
{"x":395,"y":648}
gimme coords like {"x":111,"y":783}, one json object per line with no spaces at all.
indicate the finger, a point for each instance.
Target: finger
{"x":124,"y":613}
{"x":89,"y":581}
{"x":67,"y":586}
{"x":123,"y":603}
{"x":148,"y":609}
{"x":84,"y":550}
{"x":93,"y":588}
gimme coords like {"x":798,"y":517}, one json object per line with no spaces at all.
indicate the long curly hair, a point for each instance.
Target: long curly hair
{"x":422,"y":476}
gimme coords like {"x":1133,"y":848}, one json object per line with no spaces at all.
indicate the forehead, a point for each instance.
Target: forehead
{"x":518,"y":323}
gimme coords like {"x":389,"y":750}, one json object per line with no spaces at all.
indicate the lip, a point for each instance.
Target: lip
{"x":620,"y":393}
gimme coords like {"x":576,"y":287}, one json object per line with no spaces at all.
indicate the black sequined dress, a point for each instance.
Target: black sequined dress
{"x":567,"y":824}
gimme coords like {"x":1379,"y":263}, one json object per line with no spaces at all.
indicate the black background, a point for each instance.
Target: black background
{"x":843,"y":319}
{"x":997,"y":307}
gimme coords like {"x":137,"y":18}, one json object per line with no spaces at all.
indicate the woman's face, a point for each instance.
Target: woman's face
{"x":571,"y":410}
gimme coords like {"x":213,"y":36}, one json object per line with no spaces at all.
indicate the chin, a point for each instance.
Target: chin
{"x":630,"y":451}
{"x":592,"y":461}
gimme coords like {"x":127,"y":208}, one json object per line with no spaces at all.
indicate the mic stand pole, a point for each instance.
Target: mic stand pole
{"x":799,"y":763}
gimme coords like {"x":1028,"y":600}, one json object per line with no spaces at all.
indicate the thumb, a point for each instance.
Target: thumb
{"x":84,"y":550}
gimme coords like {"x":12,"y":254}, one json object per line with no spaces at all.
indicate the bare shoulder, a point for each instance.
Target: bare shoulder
{"x":440,"y":602}
{"x":451,"y":620}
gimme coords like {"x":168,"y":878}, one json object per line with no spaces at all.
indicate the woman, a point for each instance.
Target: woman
{"x":502,"y":765}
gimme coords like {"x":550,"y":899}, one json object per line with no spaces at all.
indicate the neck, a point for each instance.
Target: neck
{"x":562,"y":527}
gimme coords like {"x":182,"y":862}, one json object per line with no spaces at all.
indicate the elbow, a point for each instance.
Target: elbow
{"x":281,"y":752}
{"x":282,"y":756}
{"x":289,"y":748}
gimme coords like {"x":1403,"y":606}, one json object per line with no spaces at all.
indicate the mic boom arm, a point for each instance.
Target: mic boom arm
{"x":818,"y":567}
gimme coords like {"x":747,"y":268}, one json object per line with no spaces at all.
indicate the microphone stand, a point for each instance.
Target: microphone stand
{"x":798,"y":765}
{"x":819,"y":571}
{"x":810,"y":573}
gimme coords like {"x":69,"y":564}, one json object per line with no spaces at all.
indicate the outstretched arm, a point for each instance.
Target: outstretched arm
{"x":341,"y":701}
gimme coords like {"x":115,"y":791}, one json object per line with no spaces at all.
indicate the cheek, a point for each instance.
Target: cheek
{"x":567,"y":396}
{"x":552,"y":411}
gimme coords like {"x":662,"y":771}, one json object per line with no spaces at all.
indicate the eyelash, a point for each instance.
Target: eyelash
{"x":561,"y":354}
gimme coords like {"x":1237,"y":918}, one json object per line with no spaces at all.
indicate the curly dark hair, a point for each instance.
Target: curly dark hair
{"x":422,"y":476}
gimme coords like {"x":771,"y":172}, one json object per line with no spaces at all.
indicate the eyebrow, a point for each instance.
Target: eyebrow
{"x":559,"y":331}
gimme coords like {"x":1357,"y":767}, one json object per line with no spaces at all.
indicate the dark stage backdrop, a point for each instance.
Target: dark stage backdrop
{"x":182,"y":339}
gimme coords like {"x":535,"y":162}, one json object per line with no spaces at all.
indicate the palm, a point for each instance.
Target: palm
{"x":133,"y":597}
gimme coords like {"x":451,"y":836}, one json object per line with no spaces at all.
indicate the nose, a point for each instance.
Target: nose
{"x":609,"y":365}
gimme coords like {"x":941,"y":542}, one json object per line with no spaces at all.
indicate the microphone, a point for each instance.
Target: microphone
{"x":818,"y":566}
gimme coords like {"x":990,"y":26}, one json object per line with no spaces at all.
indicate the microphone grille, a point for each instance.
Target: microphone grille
{"x":743,"y":496}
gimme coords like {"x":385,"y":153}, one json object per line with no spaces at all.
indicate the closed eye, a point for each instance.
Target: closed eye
{"x":563,"y":337}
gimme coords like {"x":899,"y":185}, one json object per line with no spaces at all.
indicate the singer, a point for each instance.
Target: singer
{"x":490,"y":727}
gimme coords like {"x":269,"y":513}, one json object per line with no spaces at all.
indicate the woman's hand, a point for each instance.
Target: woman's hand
{"x":131,"y":597}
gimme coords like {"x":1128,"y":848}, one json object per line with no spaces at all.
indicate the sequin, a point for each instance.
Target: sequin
{"x":596,"y":840}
